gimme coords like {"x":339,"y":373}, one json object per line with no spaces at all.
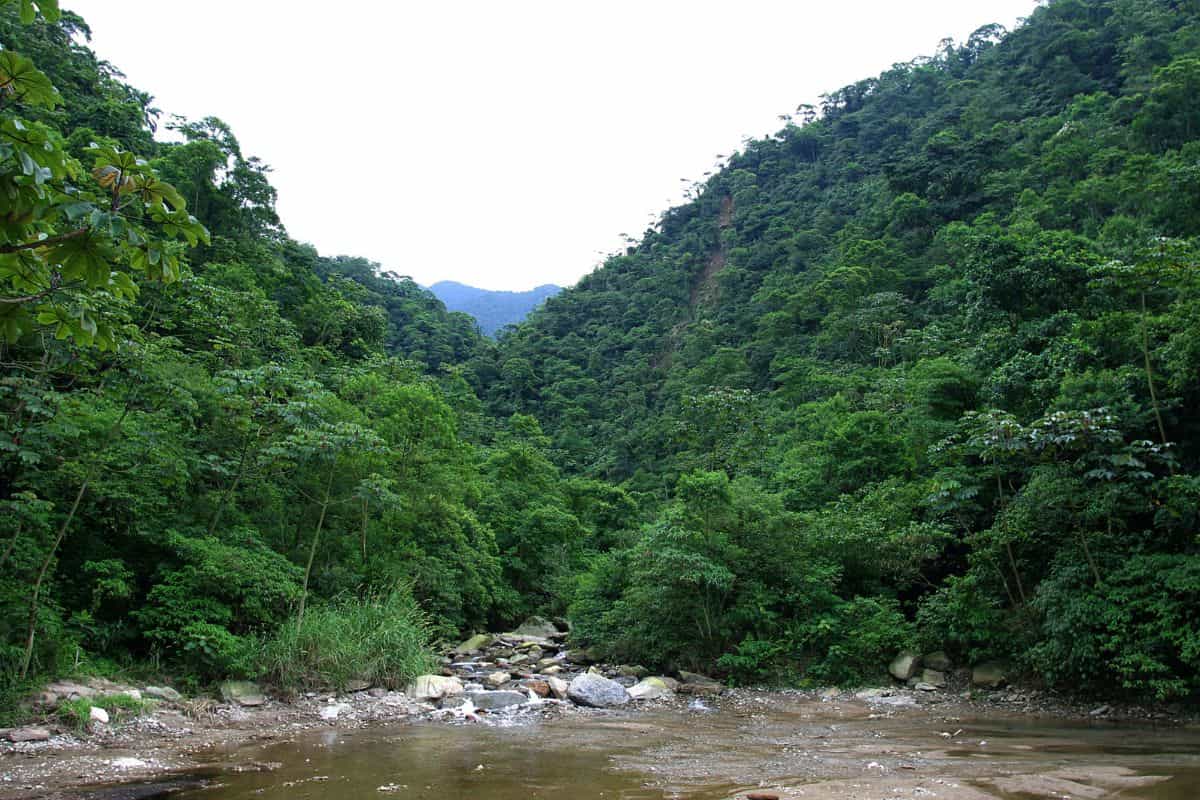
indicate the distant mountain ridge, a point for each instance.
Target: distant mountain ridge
{"x":492,"y":309}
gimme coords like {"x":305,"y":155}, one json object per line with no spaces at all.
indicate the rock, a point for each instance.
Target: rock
{"x":762,"y":796}
{"x":473,"y":645}
{"x":127,"y":762}
{"x":558,"y":687}
{"x":990,"y":674}
{"x":455,"y":701}
{"x":496,"y":680}
{"x":244,"y":693}
{"x":68,"y":690}
{"x":377,"y":692}
{"x":630,"y":671}
{"x":433,"y":687}
{"x":904,"y":666}
{"x":872,"y":694}
{"x":28,"y":735}
{"x":925,"y":687}
{"x":519,"y":659}
{"x":626,"y":682}
{"x":1100,"y":712}
{"x":695,"y":683}
{"x":357,"y":686}
{"x":554,"y":670}
{"x":579,"y":656}
{"x":540,"y":688}
{"x":331,"y":712}
{"x":98,"y":714}
{"x":933,"y":677}
{"x":597,"y":691}
{"x":162,"y":693}
{"x":901,"y":700}
{"x":650,"y":689}
{"x":489,"y":701}
{"x":546,"y":663}
{"x":537,"y":626}
{"x":937,"y":660}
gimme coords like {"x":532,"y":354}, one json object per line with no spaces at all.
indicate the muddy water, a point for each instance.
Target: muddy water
{"x":792,"y":746}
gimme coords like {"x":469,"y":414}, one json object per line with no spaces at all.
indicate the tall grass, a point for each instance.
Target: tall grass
{"x":383,"y":639}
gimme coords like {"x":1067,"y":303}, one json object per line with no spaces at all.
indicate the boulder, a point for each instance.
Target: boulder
{"x":496,"y":679}
{"x":695,"y":683}
{"x":632,"y":671}
{"x":537,"y":626}
{"x":433,"y":687}
{"x":489,"y":701}
{"x":989,"y":674}
{"x":937,"y":660}
{"x":68,"y":690}
{"x":650,"y":689}
{"x":904,"y":666}
{"x":357,"y":686}
{"x":540,"y":688}
{"x":554,"y":670}
{"x":28,"y":735}
{"x":579,"y":656}
{"x":243,"y":693}
{"x":548,"y":662}
{"x":558,"y":687}
{"x":165,"y":693}
{"x":597,"y":691}
{"x":924,"y":687}
{"x":98,"y":714}
{"x":933,"y":677}
{"x":473,"y":645}
{"x":331,"y":712}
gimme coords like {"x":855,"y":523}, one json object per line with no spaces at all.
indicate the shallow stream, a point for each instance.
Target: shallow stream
{"x":793,"y":746}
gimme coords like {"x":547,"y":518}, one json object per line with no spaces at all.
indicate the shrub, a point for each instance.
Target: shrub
{"x":857,"y":640}
{"x":77,"y":713}
{"x":382,"y":639}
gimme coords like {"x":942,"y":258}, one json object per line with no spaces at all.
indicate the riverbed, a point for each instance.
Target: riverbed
{"x":772,"y":743}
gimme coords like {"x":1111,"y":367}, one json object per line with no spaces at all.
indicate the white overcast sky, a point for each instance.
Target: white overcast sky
{"x":502,"y":144}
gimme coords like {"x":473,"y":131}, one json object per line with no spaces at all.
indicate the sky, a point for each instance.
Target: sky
{"x":503,"y":144}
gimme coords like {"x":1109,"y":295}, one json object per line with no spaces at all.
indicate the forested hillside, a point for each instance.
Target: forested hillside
{"x":924,"y":363}
{"x":493,"y":310}
{"x":922,"y":369}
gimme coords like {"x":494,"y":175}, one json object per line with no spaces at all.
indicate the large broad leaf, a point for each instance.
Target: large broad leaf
{"x":83,"y":257}
{"x":23,"y":81}
{"x":49,"y":9}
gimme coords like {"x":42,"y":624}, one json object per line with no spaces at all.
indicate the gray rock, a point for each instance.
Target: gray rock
{"x":28,"y":735}
{"x":162,"y":693}
{"x":933,"y":677}
{"x":331,"y":712}
{"x":98,"y":714}
{"x":925,"y":687}
{"x":243,"y":693}
{"x":489,"y":701}
{"x":597,"y":691}
{"x":357,"y":686}
{"x":695,"y":683}
{"x":989,"y":674}
{"x":558,"y":687}
{"x":580,"y":656}
{"x":496,"y":680}
{"x":632,"y":671}
{"x":537,"y":626}
{"x":937,"y":660}
{"x":454,"y":701}
{"x":433,"y":687}
{"x":650,"y":689}
{"x":904,"y":666}
{"x":625,"y":680}
{"x":473,"y":645}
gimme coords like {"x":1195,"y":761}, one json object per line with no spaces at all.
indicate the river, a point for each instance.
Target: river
{"x":793,"y":746}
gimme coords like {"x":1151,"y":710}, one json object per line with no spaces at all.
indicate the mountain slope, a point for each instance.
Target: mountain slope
{"x":921,"y":368}
{"x":492,"y":309}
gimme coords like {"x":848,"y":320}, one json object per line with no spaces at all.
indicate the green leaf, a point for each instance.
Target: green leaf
{"x":25,"y":82}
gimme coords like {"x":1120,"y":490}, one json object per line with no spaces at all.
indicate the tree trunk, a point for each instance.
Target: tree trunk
{"x":312,"y":550}
{"x":31,"y":632}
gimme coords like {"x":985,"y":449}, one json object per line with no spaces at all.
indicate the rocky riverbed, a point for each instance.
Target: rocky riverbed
{"x":528,"y":680}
